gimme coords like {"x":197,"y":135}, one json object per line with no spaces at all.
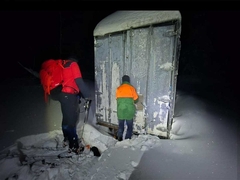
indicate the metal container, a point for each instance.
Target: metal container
{"x":144,"y":45}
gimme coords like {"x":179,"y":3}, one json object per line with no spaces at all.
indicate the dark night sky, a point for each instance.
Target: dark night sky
{"x":209,"y":41}
{"x":31,"y":37}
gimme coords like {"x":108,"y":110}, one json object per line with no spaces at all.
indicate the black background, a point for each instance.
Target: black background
{"x":209,"y":44}
{"x":30,"y":37}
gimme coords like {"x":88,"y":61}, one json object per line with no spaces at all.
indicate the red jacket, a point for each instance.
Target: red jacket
{"x":71,"y":71}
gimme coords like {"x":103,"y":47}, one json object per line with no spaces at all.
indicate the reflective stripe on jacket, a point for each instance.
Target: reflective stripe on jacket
{"x":126,"y":95}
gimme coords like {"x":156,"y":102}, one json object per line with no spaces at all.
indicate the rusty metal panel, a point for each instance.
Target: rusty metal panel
{"x":108,"y":64}
{"x":159,"y":77}
{"x":139,"y":52}
{"x":148,"y":56}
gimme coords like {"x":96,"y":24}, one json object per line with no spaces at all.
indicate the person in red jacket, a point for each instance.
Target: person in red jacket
{"x":73,"y":84}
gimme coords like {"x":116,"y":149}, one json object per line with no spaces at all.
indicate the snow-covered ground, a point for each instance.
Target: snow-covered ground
{"x":203,"y":144}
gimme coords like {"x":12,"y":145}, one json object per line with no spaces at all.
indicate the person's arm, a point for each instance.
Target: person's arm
{"x":77,"y":75}
{"x":135,"y":101}
{"x":83,"y":87}
{"x":135,"y":95}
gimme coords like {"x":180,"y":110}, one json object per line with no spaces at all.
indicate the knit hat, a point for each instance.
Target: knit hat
{"x":72,"y":57}
{"x":126,"y":78}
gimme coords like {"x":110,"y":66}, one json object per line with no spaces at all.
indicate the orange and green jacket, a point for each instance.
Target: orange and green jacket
{"x":126,"y":96}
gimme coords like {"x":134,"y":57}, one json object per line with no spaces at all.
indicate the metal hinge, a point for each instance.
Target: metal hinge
{"x":98,"y":93}
{"x":170,"y":33}
{"x":98,"y":44}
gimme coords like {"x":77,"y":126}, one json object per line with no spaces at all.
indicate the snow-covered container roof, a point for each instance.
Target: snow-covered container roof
{"x":123,"y":20}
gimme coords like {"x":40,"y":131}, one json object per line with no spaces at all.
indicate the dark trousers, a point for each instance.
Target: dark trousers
{"x":70,"y":114}
{"x":121,"y":129}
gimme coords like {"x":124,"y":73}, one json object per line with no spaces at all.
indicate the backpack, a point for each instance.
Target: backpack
{"x":51,"y":78}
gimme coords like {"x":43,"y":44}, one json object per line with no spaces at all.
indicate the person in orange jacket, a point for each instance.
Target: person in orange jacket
{"x":126,"y":96}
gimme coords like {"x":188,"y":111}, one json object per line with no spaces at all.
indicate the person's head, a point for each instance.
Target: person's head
{"x":126,"y":78}
{"x":72,"y":58}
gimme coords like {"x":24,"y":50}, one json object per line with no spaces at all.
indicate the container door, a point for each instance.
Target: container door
{"x":109,"y":53}
{"x":149,"y":56}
